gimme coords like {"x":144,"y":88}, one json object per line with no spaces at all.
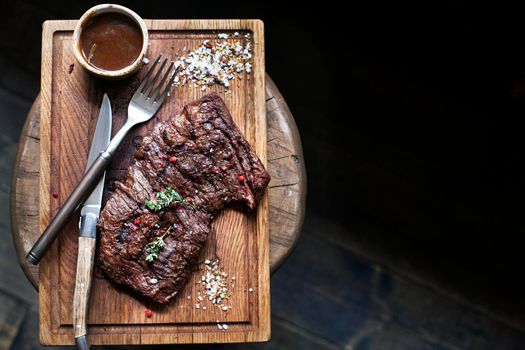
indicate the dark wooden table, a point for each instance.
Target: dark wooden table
{"x":287,"y":190}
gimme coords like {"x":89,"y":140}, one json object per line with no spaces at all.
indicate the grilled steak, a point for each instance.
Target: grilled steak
{"x":199,"y":154}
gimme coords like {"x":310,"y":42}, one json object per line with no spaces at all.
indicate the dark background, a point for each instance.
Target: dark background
{"x":411,"y":123}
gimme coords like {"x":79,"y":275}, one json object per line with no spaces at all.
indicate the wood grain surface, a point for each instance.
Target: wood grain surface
{"x":69,"y":108}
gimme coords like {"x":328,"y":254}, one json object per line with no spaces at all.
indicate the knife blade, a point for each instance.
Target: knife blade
{"x":89,"y":214}
{"x":100,"y":142}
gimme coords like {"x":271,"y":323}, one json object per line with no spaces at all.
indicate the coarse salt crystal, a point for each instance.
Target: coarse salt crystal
{"x":216,"y":63}
{"x":215,"y":283}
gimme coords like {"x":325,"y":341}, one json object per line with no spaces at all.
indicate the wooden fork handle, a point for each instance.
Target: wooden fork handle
{"x":86,"y":254}
{"x":79,"y":194}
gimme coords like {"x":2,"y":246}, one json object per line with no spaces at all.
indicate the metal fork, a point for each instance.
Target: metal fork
{"x":144,"y":104}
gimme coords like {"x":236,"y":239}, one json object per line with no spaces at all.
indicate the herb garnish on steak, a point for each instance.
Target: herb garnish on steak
{"x":158,"y":218}
{"x":168,"y":198}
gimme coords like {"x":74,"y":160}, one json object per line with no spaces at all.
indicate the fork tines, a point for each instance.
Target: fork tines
{"x":146,"y":87}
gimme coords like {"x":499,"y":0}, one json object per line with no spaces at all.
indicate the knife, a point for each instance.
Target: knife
{"x":88,"y":229}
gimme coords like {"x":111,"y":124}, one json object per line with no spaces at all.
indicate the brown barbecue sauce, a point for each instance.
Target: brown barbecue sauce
{"x":111,"y":41}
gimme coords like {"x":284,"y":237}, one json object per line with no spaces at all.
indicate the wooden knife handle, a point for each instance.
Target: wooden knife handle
{"x":79,"y":194}
{"x":86,"y":254}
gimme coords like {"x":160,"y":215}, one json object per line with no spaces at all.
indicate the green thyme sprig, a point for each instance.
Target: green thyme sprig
{"x":154,"y":247}
{"x":167,"y":199}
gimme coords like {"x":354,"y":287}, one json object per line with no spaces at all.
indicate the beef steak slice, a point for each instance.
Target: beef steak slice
{"x":213,"y":165}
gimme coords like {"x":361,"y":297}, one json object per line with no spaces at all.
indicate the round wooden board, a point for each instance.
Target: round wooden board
{"x":286,"y":193}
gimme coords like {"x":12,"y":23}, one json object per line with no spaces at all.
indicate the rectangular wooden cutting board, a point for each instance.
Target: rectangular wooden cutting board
{"x":70,"y":104}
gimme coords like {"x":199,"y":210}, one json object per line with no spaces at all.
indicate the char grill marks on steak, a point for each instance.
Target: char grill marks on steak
{"x":211,"y":154}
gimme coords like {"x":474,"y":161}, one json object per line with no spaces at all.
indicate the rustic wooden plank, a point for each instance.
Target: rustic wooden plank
{"x":12,"y":279}
{"x":262,"y":244}
{"x":47,"y":287}
{"x":363,"y":243}
{"x":242,"y":240}
{"x":287,"y":192}
{"x":322,"y":314}
{"x":396,"y":338}
{"x":27,"y":338}
{"x":286,"y":335}
{"x":12,"y":108}
{"x":24,"y":200}
{"x":369,"y":305}
{"x":12,"y":313}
